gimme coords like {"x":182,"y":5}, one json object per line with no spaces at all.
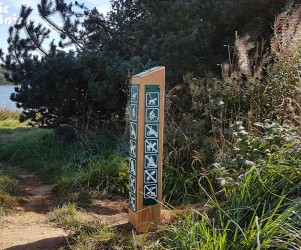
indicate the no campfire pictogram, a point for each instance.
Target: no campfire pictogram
{"x":150,"y":176}
{"x":150,"y":191}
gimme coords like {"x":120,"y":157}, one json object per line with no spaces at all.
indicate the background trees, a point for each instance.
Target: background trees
{"x":91,"y":81}
{"x":77,"y":87}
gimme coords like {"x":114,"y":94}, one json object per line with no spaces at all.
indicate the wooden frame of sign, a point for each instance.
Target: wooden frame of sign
{"x":146,"y":149}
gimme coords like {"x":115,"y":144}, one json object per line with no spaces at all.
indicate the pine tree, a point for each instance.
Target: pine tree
{"x":90,"y":83}
{"x":82,"y":87}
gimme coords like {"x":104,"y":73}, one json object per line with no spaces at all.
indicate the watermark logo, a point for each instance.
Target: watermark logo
{"x":6,"y":17}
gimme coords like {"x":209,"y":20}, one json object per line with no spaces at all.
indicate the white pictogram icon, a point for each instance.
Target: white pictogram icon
{"x":152,"y":100}
{"x":152,"y":131}
{"x":134,"y":94}
{"x":133,"y":166}
{"x":151,"y":161}
{"x":134,"y":112}
{"x":133,"y":133}
{"x":133,"y":148}
{"x":132,"y":201}
{"x":132,"y":183}
{"x":150,"y":191}
{"x":152,"y":116}
{"x":150,"y":176}
{"x":151,"y":146}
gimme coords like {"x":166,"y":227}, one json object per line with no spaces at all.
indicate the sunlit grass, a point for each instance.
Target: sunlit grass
{"x":8,"y":190}
{"x":95,"y":234}
{"x":8,"y":114}
{"x":261,"y":213}
{"x":95,"y":162}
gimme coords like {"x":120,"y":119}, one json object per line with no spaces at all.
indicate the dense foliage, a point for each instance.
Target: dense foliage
{"x":90,"y":84}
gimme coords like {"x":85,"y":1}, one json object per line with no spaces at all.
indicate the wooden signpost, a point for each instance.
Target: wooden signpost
{"x":146,"y":149}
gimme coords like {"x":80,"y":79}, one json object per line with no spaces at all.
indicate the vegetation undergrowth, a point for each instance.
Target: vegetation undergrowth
{"x":8,"y":190}
{"x":92,"y":235}
{"x":10,"y":118}
{"x":8,"y":114}
{"x":261,"y":212}
{"x":97,"y":161}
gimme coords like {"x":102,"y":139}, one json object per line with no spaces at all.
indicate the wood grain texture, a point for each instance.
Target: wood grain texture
{"x":147,"y":218}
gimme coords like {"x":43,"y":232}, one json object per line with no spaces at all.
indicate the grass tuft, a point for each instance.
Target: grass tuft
{"x":8,"y":191}
{"x":8,"y":114}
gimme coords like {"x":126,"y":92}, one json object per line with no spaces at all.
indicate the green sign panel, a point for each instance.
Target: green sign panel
{"x":151,"y":141}
{"x":133,"y":147}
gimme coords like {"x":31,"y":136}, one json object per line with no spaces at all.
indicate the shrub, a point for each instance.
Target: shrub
{"x":8,"y":114}
{"x":262,"y":212}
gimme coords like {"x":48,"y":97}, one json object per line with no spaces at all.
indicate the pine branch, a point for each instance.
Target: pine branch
{"x":35,"y":41}
{"x":57,"y":28}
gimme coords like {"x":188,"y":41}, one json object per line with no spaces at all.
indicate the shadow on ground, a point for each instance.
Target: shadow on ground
{"x":45,"y":244}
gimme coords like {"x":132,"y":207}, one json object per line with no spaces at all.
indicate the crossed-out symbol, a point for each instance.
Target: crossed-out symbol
{"x":151,"y":161}
{"x":152,"y":131}
{"x":151,"y":146}
{"x":150,"y":191}
{"x":150,"y":176}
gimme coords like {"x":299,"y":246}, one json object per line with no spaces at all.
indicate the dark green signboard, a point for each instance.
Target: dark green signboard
{"x":133,"y":147}
{"x":151,"y":141}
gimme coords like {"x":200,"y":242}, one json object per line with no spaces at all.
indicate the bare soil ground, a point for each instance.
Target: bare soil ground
{"x":27,"y":226}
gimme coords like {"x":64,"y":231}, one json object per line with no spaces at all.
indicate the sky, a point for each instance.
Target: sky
{"x":9,"y":12}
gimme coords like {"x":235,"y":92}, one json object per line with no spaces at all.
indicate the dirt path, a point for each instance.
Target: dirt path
{"x":28,"y":228}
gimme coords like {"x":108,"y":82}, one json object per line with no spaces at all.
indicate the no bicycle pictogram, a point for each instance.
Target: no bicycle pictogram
{"x":151,"y":130}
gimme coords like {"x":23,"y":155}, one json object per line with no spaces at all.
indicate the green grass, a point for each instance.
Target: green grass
{"x":10,"y":123}
{"x":105,"y":173}
{"x":8,"y":190}
{"x":97,"y":161}
{"x":94,"y":235}
{"x":263,"y":212}
{"x":8,"y":114}
{"x":64,"y":216}
{"x":11,"y":129}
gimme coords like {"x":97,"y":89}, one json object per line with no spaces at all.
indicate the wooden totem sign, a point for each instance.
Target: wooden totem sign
{"x":146,"y":149}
